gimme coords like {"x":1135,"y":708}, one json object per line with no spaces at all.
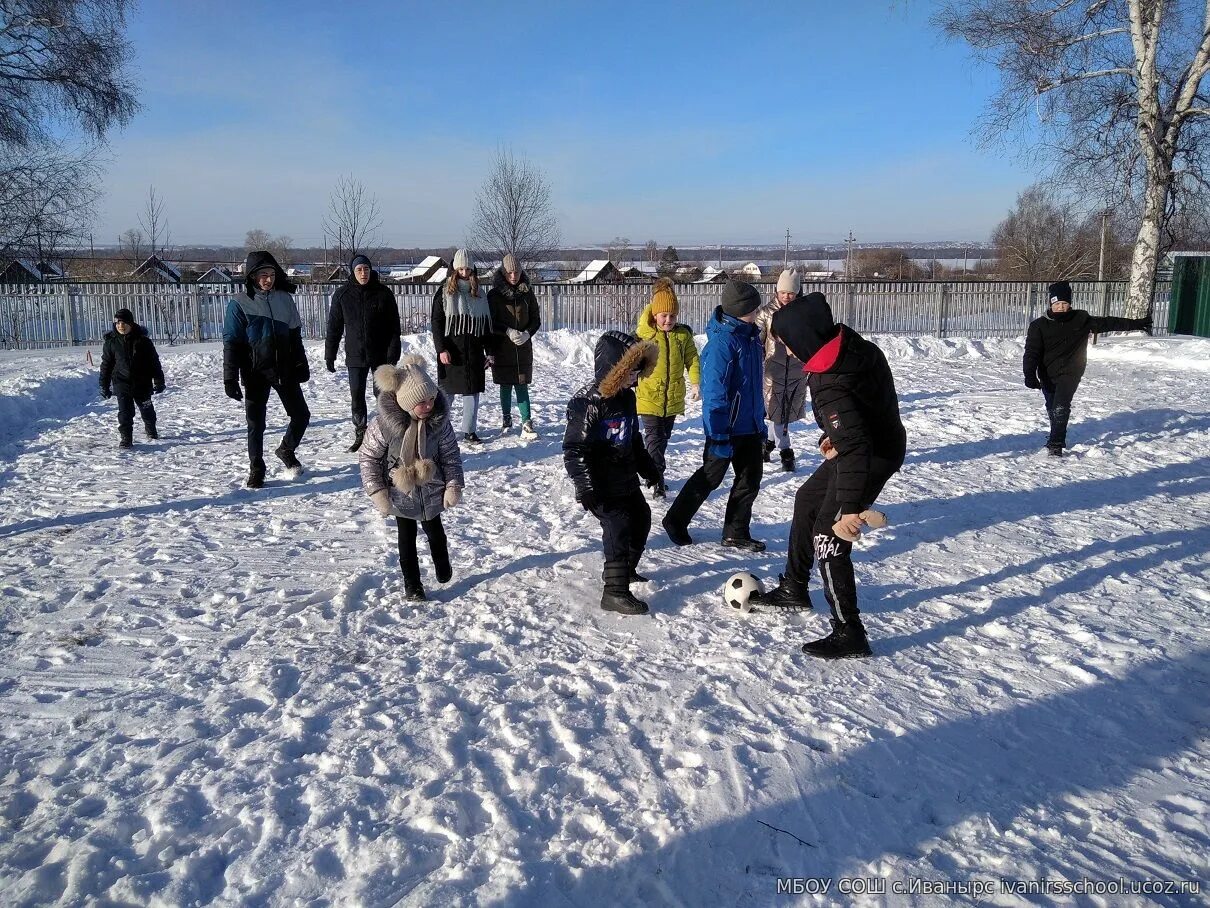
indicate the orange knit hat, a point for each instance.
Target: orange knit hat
{"x":663,"y":297}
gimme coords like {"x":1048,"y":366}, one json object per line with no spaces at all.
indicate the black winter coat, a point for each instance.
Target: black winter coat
{"x":603,"y":449}
{"x":1057,"y":345}
{"x":368,"y":318}
{"x":468,"y":354}
{"x":855,"y":405}
{"x":130,"y":364}
{"x":516,"y":308}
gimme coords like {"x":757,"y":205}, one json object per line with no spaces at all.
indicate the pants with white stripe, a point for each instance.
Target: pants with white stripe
{"x":812,"y":539}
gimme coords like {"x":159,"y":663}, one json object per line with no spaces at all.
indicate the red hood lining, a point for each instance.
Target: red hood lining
{"x":825,"y":357}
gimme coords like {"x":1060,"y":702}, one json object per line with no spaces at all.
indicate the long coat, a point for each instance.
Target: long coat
{"x":367,"y":316}
{"x":785,"y":385}
{"x":468,"y":352}
{"x":516,"y":308}
{"x":130,"y":364}
{"x":662,"y":393}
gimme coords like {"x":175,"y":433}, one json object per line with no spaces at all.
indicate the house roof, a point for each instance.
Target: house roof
{"x":438,"y":276}
{"x":216,"y":275}
{"x":592,"y":271}
{"x":161,"y":268}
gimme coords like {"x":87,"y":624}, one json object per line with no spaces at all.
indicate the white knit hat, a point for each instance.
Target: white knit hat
{"x":461,"y":259}
{"x":790,"y":281}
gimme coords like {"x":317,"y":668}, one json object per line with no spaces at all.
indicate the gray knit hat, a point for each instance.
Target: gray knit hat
{"x":739,"y":299}
{"x":789,"y":282}
{"x":510,"y":263}
{"x":410,"y":382}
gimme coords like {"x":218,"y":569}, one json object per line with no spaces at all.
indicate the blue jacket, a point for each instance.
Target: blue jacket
{"x":732,"y":378}
{"x":262,"y":340}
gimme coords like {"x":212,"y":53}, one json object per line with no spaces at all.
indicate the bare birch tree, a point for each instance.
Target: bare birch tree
{"x":514,"y":212}
{"x":1113,"y":93}
{"x":353,"y":220}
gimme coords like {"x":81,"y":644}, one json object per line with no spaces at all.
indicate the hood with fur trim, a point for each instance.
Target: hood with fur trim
{"x":398,"y":423}
{"x":616,"y":355}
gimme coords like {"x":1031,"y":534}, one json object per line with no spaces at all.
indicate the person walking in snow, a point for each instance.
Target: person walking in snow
{"x":515,"y":321}
{"x":364,"y":312}
{"x":733,"y":413}
{"x":131,"y":372}
{"x":662,"y":394}
{"x":411,"y":466}
{"x":855,"y":405}
{"x":263,"y":350}
{"x":462,"y":325}
{"x":603,"y":454}
{"x":785,"y":384}
{"x":1056,"y":354}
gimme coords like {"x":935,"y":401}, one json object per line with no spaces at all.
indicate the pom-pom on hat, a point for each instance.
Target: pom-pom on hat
{"x":410,"y":382}
{"x":663,"y":298}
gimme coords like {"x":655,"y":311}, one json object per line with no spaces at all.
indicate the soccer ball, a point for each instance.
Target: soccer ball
{"x":738,"y":590}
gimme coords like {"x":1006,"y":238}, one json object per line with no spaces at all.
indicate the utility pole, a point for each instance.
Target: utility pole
{"x":787,"y":247}
{"x":848,"y":263}
{"x":1104,"y":233}
{"x":720,"y":256}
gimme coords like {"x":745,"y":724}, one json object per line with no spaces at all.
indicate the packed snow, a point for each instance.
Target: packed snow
{"x":212,"y":695}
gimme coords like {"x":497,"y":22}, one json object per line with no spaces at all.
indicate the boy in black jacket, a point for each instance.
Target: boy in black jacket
{"x":854,"y":402}
{"x":131,"y":371}
{"x":604,"y":455}
{"x":1056,"y":353}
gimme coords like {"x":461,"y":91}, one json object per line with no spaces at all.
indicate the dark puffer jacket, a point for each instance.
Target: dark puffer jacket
{"x":262,"y":332}
{"x":603,"y":449}
{"x":516,"y":308}
{"x":367,"y":316}
{"x":130,"y":364}
{"x":1056,"y":344}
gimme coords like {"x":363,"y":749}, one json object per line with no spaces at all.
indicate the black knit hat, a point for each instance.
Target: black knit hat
{"x":1061,"y":291}
{"x":805,"y":325}
{"x":739,"y":299}
{"x":360,"y":259}
{"x":124,"y":315}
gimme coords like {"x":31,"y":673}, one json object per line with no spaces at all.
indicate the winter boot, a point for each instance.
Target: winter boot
{"x":746,"y":543}
{"x":256,"y":474}
{"x":441,"y":559}
{"x":658,"y":489}
{"x":506,"y":425}
{"x":788,"y":595}
{"x":616,"y":597}
{"x":678,"y":534}
{"x":125,"y":438}
{"x":528,"y":430}
{"x":768,"y":452}
{"x":787,"y":460}
{"x":1054,"y":450}
{"x":150,"y":429}
{"x":847,"y":641}
{"x":635,"y":576}
{"x":413,"y":592}
{"x":359,"y":435}
{"x":288,"y":458}
{"x":471,"y":439}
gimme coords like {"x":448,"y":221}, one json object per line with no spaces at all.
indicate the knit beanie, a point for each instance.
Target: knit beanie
{"x":804,"y":325}
{"x":510,"y":263}
{"x":124,"y":315}
{"x":410,"y":382}
{"x":360,"y":260}
{"x":789,"y":282}
{"x":461,"y":259}
{"x":739,"y":298}
{"x":663,"y":298}
{"x":1060,"y":291}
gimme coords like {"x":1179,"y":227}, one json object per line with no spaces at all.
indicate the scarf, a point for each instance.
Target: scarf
{"x":414,"y":468}
{"x":466,"y":314}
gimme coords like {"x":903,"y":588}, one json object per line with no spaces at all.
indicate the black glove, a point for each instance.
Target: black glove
{"x":331,"y":364}
{"x":589,"y":500}
{"x":1031,"y":381}
{"x":158,"y":388}
{"x":106,"y":393}
{"x":232,"y":390}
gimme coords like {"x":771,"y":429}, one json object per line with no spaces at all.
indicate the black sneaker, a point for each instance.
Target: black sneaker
{"x":623,"y":602}
{"x":787,"y":595}
{"x":288,"y":458}
{"x":847,"y":641}
{"x":678,"y":535}
{"x":472,"y":439}
{"x":744,"y":542}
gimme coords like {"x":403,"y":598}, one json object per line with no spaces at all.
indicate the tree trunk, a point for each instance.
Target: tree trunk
{"x":1147,"y":246}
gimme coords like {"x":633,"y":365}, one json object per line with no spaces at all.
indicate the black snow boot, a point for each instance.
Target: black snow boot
{"x":150,"y":428}
{"x":788,"y":595}
{"x":616,"y":597}
{"x":787,"y":460}
{"x":256,"y":474}
{"x":413,"y":592}
{"x":847,"y":641}
{"x":125,"y":438}
{"x":359,"y":435}
{"x":287,"y":457}
{"x":768,"y":452}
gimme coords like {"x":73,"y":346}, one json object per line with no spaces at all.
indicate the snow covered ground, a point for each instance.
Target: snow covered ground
{"x":215,"y":695}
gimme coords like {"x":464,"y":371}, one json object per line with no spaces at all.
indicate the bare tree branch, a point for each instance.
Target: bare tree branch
{"x":353,"y":220}
{"x":514,"y":212}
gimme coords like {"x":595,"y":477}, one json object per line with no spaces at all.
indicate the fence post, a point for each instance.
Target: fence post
{"x":69,"y":316}
{"x":942,"y":297}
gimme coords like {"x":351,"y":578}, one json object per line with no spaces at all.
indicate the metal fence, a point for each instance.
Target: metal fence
{"x":34,"y":316}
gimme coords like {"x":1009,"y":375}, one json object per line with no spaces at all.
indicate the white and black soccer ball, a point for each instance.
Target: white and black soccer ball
{"x":738,"y":590}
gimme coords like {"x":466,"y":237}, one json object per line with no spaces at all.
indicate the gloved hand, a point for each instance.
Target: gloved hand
{"x":106,"y":392}
{"x":453,"y":495}
{"x":232,"y":390}
{"x":1031,"y":381}
{"x":1147,"y":323}
{"x":331,"y":364}
{"x":382,"y":502}
{"x":304,"y":373}
{"x":693,"y":393}
{"x":158,"y":388}
{"x":589,"y":500}
{"x":720,"y":448}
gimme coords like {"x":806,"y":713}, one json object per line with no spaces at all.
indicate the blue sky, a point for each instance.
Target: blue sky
{"x":684,"y":123}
